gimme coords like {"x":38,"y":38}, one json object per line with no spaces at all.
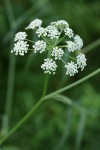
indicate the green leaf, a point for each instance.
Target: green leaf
{"x":80,"y":129}
{"x":62,"y":99}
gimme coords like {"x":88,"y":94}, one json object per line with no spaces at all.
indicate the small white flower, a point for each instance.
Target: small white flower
{"x":41,"y":32}
{"x":52,"y":32}
{"x":60,"y":23}
{"x":49,"y":66}
{"x":71,"y":68}
{"x":20,"y":48}
{"x":71,"y":46}
{"x":69,"y":32}
{"x":35,"y":23}
{"x":81,"y":61}
{"x":57,"y":53}
{"x":63,"y":23}
{"x":78,"y":41}
{"x":39,"y":46}
{"x":20,"y":36}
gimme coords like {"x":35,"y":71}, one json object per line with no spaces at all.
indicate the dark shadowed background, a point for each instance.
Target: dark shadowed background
{"x":54,"y":126}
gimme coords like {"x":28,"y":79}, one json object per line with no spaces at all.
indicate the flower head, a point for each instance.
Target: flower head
{"x":20,"y":48}
{"x":49,"y":66}
{"x":56,"y":40}
{"x":78,"y":41}
{"x":60,"y":24}
{"x":71,"y":46}
{"x":20,"y":36}
{"x":81,"y":61}
{"x":71,"y":68}
{"x":39,"y":46}
{"x":41,"y":32}
{"x":57,"y":53}
{"x":52,"y":32}
{"x":69,"y":32}
{"x":35,"y":23}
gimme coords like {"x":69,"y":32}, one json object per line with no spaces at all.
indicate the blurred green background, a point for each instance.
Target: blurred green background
{"x":54,"y":126}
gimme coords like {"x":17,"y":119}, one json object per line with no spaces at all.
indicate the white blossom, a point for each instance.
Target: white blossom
{"x":69,"y":32}
{"x":57,"y":53}
{"x":81,"y":61}
{"x":71,"y":46}
{"x":49,"y":66}
{"x":76,"y":45}
{"x":71,"y":68}
{"x":39,"y":46}
{"x":35,"y":23}
{"x":60,"y":23}
{"x":20,"y":36}
{"x":52,"y":39}
{"x":41,"y":32}
{"x":78,"y":41}
{"x":20,"y":48}
{"x":52,"y":32}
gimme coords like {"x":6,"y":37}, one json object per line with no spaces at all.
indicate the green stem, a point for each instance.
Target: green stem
{"x":62,"y":46}
{"x":30,"y":41}
{"x":73,"y":84}
{"x":45,"y":40}
{"x":45,"y":86}
{"x":57,"y":41}
{"x":91,"y":46}
{"x":45,"y":98}
{"x":63,"y":61}
{"x":61,"y":39}
{"x":29,"y":113}
{"x":30,"y":49}
{"x":70,"y":56}
{"x":22,"y":121}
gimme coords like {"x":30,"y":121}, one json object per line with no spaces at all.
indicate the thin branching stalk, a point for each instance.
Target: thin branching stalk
{"x":91,"y":46}
{"x":29,"y":114}
{"x":45,"y":86}
{"x":73,"y":84}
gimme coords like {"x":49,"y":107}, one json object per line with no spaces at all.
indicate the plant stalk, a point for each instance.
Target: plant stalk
{"x":21,"y":122}
{"x":73,"y":84}
{"x":45,"y":98}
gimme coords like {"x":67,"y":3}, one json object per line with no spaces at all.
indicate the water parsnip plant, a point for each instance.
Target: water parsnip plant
{"x":53,"y":40}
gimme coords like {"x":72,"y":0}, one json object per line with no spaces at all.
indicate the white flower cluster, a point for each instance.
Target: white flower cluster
{"x":60,"y":24}
{"x":71,"y":68}
{"x":20,"y":36}
{"x":77,"y":44}
{"x":41,"y":32}
{"x":39,"y":46}
{"x":69,"y":32}
{"x":21,"y":46}
{"x":35,"y":23}
{"x":71,"y":46}
{"x":53,"y":39}
{"x":81,"y":61}
{"x":57,"y":53}
{"x":49,"y":66}
{"x":52,"y":32}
